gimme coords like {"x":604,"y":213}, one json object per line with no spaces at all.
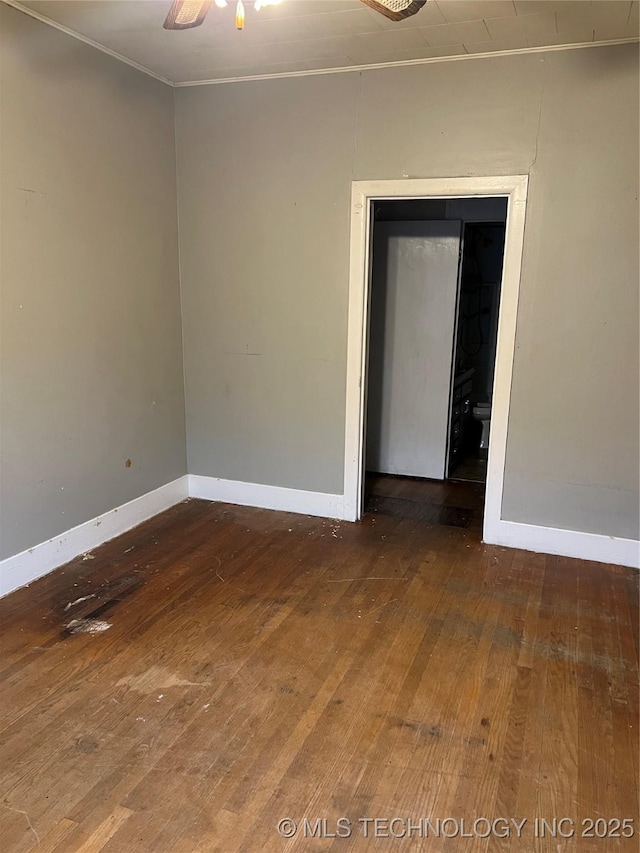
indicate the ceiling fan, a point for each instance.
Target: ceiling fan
{"x":185,"y":14}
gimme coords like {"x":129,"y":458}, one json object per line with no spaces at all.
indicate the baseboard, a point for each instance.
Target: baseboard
{"x":25,"y":567}
{"x":528,"y":537}
{"x":29,"y":565}
{"x":266,"y":497}
{"x":564,"y":543}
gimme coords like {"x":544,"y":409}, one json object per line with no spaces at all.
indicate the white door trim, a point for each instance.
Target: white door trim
{"x":512,"y":187}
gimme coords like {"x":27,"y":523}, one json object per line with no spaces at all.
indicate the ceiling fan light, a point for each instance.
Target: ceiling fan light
{"x":240,"y":15}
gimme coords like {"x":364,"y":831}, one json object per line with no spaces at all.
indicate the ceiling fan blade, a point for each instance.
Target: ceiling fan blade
{"x":185,"y":14}
{"x":396,"y":10}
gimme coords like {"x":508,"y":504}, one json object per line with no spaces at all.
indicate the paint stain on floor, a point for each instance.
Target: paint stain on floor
{"x":155,"y":678}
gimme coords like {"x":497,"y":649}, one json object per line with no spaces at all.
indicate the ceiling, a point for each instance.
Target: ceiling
{"x":314,"y":35}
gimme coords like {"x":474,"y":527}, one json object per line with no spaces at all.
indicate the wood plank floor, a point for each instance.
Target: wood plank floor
{"x":256,"y":666}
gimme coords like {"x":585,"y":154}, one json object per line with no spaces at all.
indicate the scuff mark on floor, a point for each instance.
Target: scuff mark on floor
{"x":87,"y":626}
{"x":27,"y":818}
{"x":79,"y":601}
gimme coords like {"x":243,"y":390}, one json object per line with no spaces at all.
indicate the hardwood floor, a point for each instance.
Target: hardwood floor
{"x":255,"y":666}
{"x":452,"y":504}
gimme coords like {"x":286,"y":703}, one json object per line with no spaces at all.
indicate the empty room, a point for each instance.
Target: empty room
{"x":319,"y":426}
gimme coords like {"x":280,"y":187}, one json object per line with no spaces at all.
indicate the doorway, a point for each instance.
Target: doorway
{"x":510,"y":191}
{"x":436,"y":270}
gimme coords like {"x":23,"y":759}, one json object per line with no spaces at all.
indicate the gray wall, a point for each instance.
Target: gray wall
{"x":91,"y":342}
{"x":264,"y":174}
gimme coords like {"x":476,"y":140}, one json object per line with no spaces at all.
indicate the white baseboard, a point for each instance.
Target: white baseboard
{"x":528,"y":537}
{"x":29,"y":565}
{"x":266,"y":497}
{"x":25,"y":567}
{"x":564,"y":543}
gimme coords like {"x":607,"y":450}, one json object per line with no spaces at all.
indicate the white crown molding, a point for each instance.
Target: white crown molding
{"x":405,"y":62}
{"x":44,"y":20}
{"x":15,"y":4}
{"x":35,"y":562}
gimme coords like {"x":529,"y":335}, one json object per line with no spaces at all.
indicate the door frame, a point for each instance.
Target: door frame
{"x":363,"y":193}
